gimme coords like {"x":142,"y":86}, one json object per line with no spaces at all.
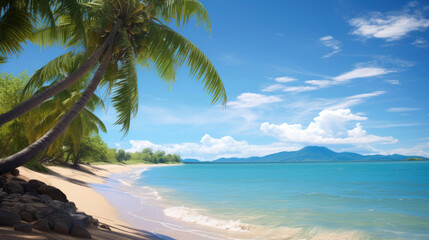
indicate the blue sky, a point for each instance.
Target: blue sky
{"x":348,"y":75}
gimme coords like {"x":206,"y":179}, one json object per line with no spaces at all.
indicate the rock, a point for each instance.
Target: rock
{"x":28,"y":198}
{"x":46,"y":198}
{"x":3,"y":195}
{"x":60,"y":223}
{"x":3,"y":181}
{"x":71,"y":206}
{"x":27,"y":216}
{"x":23,"y":228}
{"x":13,"y":187}
{"x":8,"y":218}
{"x":81,"y":219}
{"x":40,"y":210}
{"x":52,"y":192}
{"x":17,"y":179}
{"x":105,"y":226}
{"x":79,"y":231}
{"x":33,"y":185}
{"x":14,"y":172}
{"x":95,"y":222}
{"x":42,"y":225}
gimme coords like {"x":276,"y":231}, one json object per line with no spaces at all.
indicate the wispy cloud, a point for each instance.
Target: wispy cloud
{"x":402,"y":109}
{"x":329,"y":127}
{"x":210,"y":148}
{"x":421,"y":43}
{"x":251,"y":100}
{"x":273,"y":87}
{"x":284,"y":79}
{"x":330,"y":42}
{"x":298,"y":89}
{"x":394,"y":82}
{"x":361,"y":73}
{"x":389,"y":26}
{"x":232,"y":60}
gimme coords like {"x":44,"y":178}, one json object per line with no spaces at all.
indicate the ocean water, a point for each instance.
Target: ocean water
{"x":371,"y":200}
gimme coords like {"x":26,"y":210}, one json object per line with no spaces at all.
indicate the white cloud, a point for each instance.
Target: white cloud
{"x":273,"y":87}
{"x":394,"y":82}
{"x":321,"y":83}
{"x":330,"y":42}
{"x":402,"y":109}
{"x":299,"y":89}
{"x":330,"y":127}
{"x":421,"y":149}
{"x":251,"y":100}
{"x":421,"y":43}
{"x":232,"y":60}
{"x":367,"y":95}
{"x":388,"y":27}
{"x":210,"y":148}
{"x":361,"y":73}
{"x":284,"y":79}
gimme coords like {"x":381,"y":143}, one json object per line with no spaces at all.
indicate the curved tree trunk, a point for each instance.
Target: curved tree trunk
{"x":60,"y":86}
{"x":16,"y":160}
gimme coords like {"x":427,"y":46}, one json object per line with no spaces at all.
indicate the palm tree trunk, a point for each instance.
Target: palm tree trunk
{"x":16,"y":160}
{"x":60,"y":86}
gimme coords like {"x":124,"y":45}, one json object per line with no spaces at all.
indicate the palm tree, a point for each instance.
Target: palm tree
{"x":134,"y":34}
{"x":45,"y":116}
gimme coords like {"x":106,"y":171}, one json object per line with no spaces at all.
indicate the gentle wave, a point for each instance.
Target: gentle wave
{"x":192,"y":216}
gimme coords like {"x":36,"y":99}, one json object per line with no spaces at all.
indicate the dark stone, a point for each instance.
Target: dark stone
{"x":71,"y":206}
{"x":42,"y":225}
{"x":81,"y":219}
{"x":28,"y":198}
{"x":95,"y":222}
{"x":23,"y":228}
{"x":3,"y":181}
{"x":105,"y":226}
{"x":27,"y":216}
{"x":35,"y":184}
{"x":8,"y":218}
{"x":52,"y":192}
{"x":46,"y":198}
{"x":14,"y":172}
{"x":13,"y":206}
{"x":13,"y":187}
{"x":3,"y":195}
{"x":60,"y":223}
{"x":17,"y":179}
{"x":40,"y":210}
{"x":79,"y":231}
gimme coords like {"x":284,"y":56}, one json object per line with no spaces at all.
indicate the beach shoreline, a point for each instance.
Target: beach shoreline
{"x":76,"y":185}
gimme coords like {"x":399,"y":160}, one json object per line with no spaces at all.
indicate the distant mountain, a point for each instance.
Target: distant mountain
{"x":190,"y":160}
{"x":316,"y":154}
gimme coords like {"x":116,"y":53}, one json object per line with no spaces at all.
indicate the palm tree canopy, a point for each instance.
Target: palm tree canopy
{"x":142,"y":39}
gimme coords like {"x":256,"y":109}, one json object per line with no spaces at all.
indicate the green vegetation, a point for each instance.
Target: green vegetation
{"x":108,"y":38}
{"x":415,"y":159}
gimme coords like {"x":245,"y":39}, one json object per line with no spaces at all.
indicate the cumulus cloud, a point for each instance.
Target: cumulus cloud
{"x":402,"y":109}
{"x":251,"y":100}
{"x":418,"y":150}
{"x":210,"y":148}
{"x":284,"y":79}
{"x":388,"y":26}
{"x":330,"y":127}
{"x":332,"y":43}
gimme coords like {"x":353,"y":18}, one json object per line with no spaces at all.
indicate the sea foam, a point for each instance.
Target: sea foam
{"x":193,"y":216}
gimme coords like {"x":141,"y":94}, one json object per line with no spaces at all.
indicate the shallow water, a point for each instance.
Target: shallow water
{"x":384,"y":200}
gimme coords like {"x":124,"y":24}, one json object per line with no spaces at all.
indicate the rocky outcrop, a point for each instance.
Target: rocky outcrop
{"x":33,"y":204}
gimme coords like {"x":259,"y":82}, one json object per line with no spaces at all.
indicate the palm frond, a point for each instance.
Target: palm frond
{"x":163,"y":42}
{"x":125,"y":94}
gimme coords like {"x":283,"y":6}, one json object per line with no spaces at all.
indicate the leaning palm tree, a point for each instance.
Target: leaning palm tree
{"x":134,"y":34}
{"x":45,"y":116}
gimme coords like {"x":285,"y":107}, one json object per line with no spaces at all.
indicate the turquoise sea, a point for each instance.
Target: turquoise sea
{"x":370,"y":200}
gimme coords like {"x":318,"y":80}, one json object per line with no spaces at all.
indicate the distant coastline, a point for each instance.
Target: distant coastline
{"x":312,"y":154}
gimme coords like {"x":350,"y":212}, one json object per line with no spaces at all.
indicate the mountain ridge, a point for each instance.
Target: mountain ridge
{"x":312,"y":154}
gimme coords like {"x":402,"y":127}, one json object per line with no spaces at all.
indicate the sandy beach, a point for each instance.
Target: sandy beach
{"x":75,"y":184}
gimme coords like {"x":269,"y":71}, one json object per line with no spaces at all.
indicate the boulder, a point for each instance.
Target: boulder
{"x":33,"y":185}
{"x":13,"y":187}
{"x":95,"y":222}
{"x":79,"y":231}
{"x":52,"y":192}
{"x":3,"y":181}
{"x":3,"y":195}
{"x":29,"y":198}
{"x":105,"y":226}
{"x":27,"y":216}
{"x":14,"y":172}
{"x":39,"y":210}
{"x":46,"y":198}
{"x":8,"y":218}
{"x":42,"y":225}
{"x":17,"y":179}
{"x":60,"y":223}
{"x":81,"y":219}
{"x":23,"y":228}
